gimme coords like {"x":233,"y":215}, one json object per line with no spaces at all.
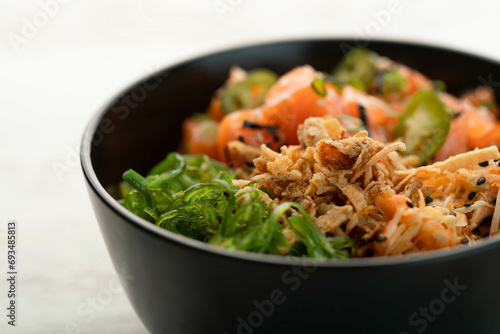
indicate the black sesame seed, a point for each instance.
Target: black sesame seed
{"x":241,"y":139}
{"x":499,"y":164}
{"x":369,"y":253}
{"x":494,"y":200}
{"x":465,"y":241}
{"x":380,"y":238}
{"x":471,"y":196}
{"x":484,"y":163}
{"x":410,"y":204}
{"x":486,"y":235}
{"x":428,"y":199}
{"x":467,"y":205}
{"x":496,"y":160}
{"x":453,"y":214}
{"x":480,"y":181}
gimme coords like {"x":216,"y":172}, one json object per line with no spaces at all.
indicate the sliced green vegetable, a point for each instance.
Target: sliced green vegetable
{"x":250,"y":92}
{"x":357,"y":68}
{"x":319,"y":87}
{"x":439,"y":86}
{"x":424,"y":125}
{"x":392,"y":82}
{"x":350,"y":123}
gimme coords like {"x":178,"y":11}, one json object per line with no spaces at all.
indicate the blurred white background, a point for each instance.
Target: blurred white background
{"x":60,"y":61}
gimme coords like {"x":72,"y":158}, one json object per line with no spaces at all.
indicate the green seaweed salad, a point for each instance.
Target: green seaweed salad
{"x":194,"y":196}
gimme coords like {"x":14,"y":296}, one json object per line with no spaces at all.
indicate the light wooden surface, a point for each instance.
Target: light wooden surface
{"x":82,"y":56}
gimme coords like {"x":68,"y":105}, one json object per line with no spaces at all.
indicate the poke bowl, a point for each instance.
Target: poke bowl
{"x":376,"y":283}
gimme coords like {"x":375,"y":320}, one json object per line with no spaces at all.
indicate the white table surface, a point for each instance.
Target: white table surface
{"x":53,"y":82}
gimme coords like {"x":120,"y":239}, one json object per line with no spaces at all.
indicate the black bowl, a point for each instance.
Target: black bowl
{"x":178,"y":285}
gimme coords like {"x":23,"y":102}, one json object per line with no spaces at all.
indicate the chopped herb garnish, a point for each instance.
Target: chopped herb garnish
{"x":319,"y":87}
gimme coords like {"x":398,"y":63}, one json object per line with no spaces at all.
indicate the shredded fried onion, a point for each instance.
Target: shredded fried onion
{"x":360,"y":187}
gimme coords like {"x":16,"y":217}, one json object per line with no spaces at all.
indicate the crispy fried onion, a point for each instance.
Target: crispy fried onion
{"x":362,"y":188}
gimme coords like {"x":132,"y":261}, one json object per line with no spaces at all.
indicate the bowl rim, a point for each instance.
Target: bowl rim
{"x":417,"y":259}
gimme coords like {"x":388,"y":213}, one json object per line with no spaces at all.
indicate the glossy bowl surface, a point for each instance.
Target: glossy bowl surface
{"x":178,"y":285}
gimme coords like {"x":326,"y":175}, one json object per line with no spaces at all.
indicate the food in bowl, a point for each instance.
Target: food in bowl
{"x":374,"y":159}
